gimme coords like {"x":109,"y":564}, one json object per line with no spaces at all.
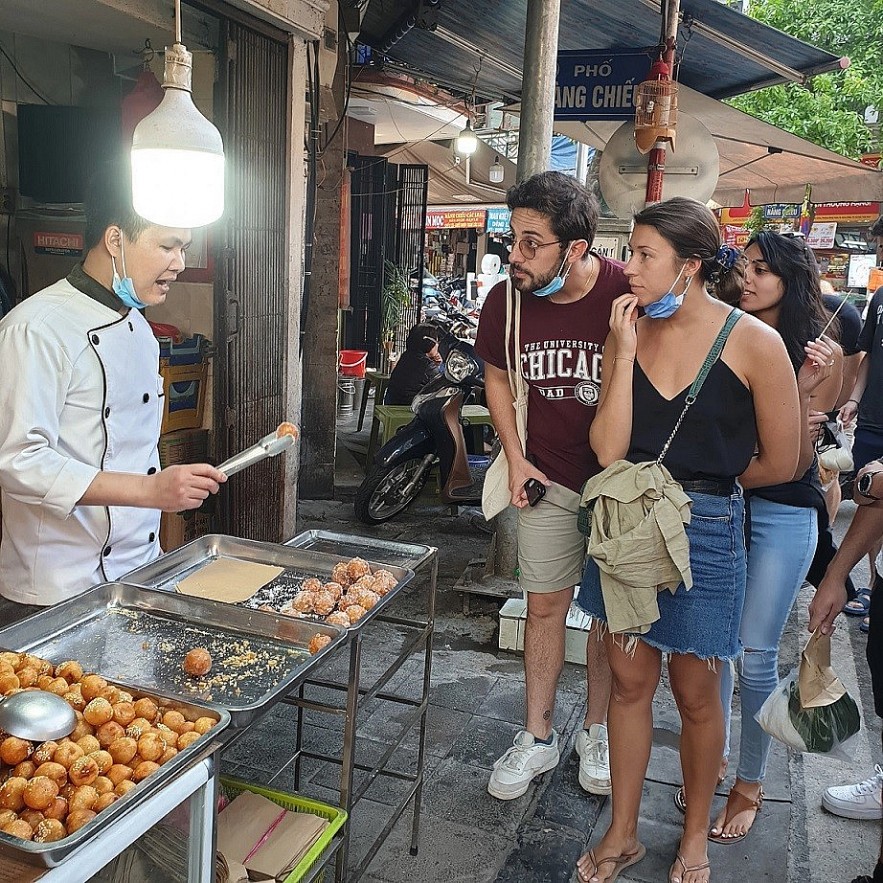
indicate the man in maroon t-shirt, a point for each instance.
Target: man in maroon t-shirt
{"x":566,"y":294}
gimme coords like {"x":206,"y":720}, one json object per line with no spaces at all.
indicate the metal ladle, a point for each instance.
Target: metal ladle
{"x":37,"y":716}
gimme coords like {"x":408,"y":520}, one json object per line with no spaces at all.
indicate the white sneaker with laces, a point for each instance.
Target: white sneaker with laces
{"x":594,"y":764}
{"x":861,"y":801}
{"x":521,"y":764}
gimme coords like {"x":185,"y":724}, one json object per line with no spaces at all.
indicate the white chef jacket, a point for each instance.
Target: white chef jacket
{"x":80,"y":392}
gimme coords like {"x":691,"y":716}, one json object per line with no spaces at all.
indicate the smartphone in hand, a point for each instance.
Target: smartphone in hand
{"x":535,"y":491}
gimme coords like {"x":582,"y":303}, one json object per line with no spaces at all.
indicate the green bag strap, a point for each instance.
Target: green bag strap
{"x":713,"y":355}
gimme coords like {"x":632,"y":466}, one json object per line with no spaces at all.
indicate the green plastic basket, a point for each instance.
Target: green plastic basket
{"x":295,"y":803}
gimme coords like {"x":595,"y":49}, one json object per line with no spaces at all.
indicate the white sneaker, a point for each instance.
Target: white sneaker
{"x":861,"y":801}
{"x":594,"y":765}
{"x":521,"y":764}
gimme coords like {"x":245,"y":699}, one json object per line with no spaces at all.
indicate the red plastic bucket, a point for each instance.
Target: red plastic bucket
{"x":352,"y":363}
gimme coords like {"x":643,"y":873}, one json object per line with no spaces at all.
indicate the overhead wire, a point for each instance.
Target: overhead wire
{"x":22,"y":77}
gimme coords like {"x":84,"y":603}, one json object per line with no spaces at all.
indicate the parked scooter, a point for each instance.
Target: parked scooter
{"x":435,"y":436}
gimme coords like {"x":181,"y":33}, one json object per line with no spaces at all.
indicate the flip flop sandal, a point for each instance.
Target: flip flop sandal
{"x":865,"y":625}
{"x":859,"y":605}
{"x":680,"y":796}
{"x":735,"y":805}
{"x":620,"y":863}
{"x":687,"y":868}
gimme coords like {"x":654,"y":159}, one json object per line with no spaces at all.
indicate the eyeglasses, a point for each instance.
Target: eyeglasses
{"x":527,"y":246}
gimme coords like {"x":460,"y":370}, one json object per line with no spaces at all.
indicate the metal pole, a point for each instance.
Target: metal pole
{"x":656,"y":161}
{"x":538,"y":87}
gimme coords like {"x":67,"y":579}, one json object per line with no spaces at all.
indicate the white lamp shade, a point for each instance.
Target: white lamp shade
{"x":467,"y":141}
{"x":177,"y":165}
{"x":496,"y":173}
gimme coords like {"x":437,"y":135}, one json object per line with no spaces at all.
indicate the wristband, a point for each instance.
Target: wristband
{"x":854,"y":401}
{"x":623,"y":359}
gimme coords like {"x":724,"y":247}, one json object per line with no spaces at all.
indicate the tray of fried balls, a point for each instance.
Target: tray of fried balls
{"x":56,"y":795}
{"x":354,"y":589}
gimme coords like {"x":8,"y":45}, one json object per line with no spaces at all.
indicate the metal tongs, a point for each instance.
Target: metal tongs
{"x":269,"y":446}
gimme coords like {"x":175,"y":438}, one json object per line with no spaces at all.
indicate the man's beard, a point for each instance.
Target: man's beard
{"x":530,"y":283}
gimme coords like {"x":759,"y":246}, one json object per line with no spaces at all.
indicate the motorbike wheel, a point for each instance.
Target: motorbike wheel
{"x":381,"y":495}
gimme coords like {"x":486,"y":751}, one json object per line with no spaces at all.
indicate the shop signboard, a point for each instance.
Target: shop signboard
{"x":607,"y":246}
{"x":854,"y":214}
{"x":599,"y":85}
{"x":735,"y":236}
{"x":498,"y":220}
{"x":821,"y":234}
{"x":456,"y":219}
{"x":860,"y":266}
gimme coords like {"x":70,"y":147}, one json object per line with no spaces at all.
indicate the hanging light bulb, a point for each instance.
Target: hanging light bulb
{"x":467,"y":141}
{"x":496,"y":173}
{"x":177,"y":154}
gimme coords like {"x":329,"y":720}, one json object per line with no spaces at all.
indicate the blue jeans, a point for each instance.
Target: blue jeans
{"x":783,"y":541}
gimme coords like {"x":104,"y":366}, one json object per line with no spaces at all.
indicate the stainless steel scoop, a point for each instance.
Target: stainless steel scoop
{"x":269,"y":446}
{"x":37,"y":716}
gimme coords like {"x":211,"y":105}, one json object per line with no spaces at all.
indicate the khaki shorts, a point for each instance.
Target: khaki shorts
{"x":551,"y":550}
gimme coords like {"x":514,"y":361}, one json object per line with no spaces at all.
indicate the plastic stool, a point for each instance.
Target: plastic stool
{"x":388,"y":419}
{"x":380,"y":382}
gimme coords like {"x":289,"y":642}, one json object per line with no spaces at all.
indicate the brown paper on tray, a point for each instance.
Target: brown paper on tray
{"x":228,"y":580}
{"x":818,"y":684}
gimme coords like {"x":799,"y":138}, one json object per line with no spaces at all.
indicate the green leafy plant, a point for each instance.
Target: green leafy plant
{"x":756,"y":221}
{"x":395,"y":297}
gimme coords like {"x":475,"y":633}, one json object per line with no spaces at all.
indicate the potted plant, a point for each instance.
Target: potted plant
{"x":395,"y":298}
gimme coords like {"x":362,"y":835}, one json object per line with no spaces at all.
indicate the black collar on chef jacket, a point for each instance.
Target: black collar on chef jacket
{"x":82,"y":281}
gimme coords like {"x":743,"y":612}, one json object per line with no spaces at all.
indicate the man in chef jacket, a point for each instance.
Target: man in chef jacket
{"x":81,"y":403}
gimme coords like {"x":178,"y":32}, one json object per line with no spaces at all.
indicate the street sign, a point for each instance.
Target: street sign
{"x":598,"y":85}
{"x":498,"y":220}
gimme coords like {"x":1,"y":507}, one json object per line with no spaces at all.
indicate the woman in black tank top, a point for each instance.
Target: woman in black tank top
{"x":781,"y":288}
{"x":750,"y":401}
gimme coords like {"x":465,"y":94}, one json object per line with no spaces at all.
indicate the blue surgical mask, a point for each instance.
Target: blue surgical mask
{"x":124,"y":288}
{"x":668,"y":304}
{"x":558,"y":282}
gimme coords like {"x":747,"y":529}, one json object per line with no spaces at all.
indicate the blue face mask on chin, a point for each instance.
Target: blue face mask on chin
{"x":124,"y":288}
{"x":558,"y":282}
{"x":669,"y":303}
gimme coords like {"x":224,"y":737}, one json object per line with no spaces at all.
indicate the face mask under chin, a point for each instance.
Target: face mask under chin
{"x":670,"y":302}
{"x":124,"y":287}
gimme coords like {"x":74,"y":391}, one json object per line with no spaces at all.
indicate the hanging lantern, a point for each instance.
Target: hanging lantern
{"x":656,"y":108}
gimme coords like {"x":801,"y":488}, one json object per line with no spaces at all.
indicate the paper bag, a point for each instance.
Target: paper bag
{"x":818,"y":684}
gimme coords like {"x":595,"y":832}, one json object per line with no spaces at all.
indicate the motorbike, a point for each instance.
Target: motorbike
{"x":435,"y":436}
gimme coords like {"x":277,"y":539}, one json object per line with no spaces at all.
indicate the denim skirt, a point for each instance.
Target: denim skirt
{"x":704,"y":620}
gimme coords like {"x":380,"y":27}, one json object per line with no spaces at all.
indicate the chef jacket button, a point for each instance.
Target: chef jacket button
{"x":151,"y":537}
{"x":107,"y":551}
{"x":146,"y":398}
{"x":152,"y":470}
{"x":106,"y":413}
{"x":131,"y":327}
{"x":95,"y":339}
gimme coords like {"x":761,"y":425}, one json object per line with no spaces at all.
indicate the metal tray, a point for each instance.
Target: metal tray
{"x":299,"y":564}
{"x":50,"y":855}
{"x":140,"y":636}
{"x":389,"y":552}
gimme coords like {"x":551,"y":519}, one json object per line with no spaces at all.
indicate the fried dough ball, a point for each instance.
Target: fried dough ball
{"x":186,"y":727}
{"x":9,"y":681}
{"x":14,"y":750}
{"x":151,"y":746}
{"x":303,"y":602}
{"x":174,"y":720}
{"x":25,"y":769}
{"x":198,"y":662}
{"x":317,"y":642}
{"x":67,"y":754}
{"x":12,"y":793}
{"x":44,"y":681}
{"x":75,"y":700}
{"x":27,"y":677}
{"x":340,"y":574}
{"x":346,"y":600}
{"x":186,"y":739}
{"x":365,"y":597}
{"x":287,"y":428}
{"x":124,"y":787}
{"x":119,"y":772}
{"x":147,"y":709}
{"x":355,"y":612}
{"x":203,"y":724}
{"x":49,"y":830}
{"x":7,"y":816}
{"x":78,"y":819}
{"x":144,"y":769}
{"x":42,"y":666}
{"x":91,"y":686}
{"x":10,"y":657}
{"x":125,"y":697}
{"x":40,"y":792}
{"x":364,"y":582}
{"x":84,"y":797}
{"x":108,"y":733}
{"x":59,"y":686}
{"x":67,"y":791}
{"x":83,"y":728}
{"x":357,"y":567}
{"x":89,"y":744}
{"x":19,"y":828}
{"x":324,"y":603}
{"x":32,"y":816}
{"x":105,"y":800}
{"x":58,"y":809}
{"x":71,"y":671}
{"x":110,"y":693}
{"x":44,"y":752}
{"x":338,"y":618}
{"x":99,"y":711}
{"x":124,"y":713}
{"x":83,"y":771}
{"x":335,"y":589}
{"x":384,"y":582}
{"x":103,"y":785}
{"x":311,"y":584}
{"x":167,"y":755}
{"x":54,"y":771}
{"x":288,"y":610}
{"x":103,"y":759}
